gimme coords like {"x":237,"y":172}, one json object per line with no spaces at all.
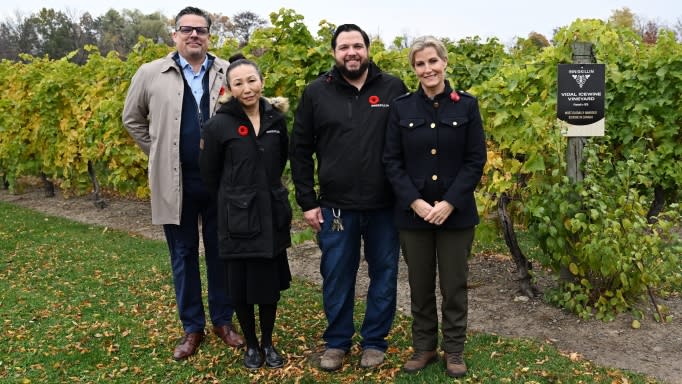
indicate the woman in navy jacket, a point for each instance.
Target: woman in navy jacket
{"x":244,"y":150}
{"x":434,"y":156}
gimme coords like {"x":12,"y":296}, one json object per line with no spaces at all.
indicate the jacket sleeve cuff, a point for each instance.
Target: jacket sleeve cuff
{"x":307,"y":204}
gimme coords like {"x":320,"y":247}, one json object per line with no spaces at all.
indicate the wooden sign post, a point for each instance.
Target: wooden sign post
{"x":577,"y":108}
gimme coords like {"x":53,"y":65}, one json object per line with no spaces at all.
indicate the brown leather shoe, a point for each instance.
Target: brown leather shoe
{"x":454,"y":364}
{"x":419,"y":361}
{"x":228,"y":334}
{"x":188,"y":345}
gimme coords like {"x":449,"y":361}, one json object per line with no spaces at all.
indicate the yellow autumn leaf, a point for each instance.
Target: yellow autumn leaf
{"x":573,"y":268}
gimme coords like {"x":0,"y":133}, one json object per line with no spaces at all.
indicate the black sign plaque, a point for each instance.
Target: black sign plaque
{"x":580,"y":99}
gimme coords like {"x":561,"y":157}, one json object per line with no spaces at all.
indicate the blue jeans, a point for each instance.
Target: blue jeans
{"x":183,"y":244}
{"x":339,"y":267}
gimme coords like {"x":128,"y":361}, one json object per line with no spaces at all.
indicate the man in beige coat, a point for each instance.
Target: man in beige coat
{"x":168,"y":101}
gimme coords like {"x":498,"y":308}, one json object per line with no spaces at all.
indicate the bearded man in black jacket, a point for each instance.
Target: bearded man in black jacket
{"x":341,"y":119}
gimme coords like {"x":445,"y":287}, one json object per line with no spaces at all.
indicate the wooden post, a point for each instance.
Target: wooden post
{"x":582,"y":54}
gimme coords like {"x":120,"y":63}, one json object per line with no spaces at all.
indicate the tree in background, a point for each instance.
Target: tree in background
{"x":88,"y":30}
{"x":221,"y":29}
{"x":154,"y":26}
{"x":119,"y":31}
{"x":50,"y":33}
{"x":623,"y":17}
{"x":9,"y":44}
{"x":533,"y":43}
{"x":244,"y":24}
{"x":108,"y":29}
{"x":55,"y":34}
{"x":538,"y":39}
{"x":648,"y":30}
{"x":402,"y":41}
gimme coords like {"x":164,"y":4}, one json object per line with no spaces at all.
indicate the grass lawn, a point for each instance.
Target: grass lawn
{"x":82,"y":303}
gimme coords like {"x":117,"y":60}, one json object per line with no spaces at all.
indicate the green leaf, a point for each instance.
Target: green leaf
{"x":535,"y":163}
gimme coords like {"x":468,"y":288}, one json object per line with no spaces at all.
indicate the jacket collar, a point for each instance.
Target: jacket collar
{"x":270,"y":107}
{"x":208,"y":60}
{"x":446,"y":92}
{"x":233,"y":108}
{"x":172,"y":59}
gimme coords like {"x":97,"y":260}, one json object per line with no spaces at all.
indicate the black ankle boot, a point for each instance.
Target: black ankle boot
{"x":253,"y":358}
{"x":272,"y":358}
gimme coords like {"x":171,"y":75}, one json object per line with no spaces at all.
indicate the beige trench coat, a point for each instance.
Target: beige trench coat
{"x":151,"y":114}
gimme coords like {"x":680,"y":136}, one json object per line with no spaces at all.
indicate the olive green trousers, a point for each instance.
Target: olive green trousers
{"x":445,"y":252}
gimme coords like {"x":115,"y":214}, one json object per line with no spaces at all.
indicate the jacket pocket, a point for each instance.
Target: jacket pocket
{"x":411,"y":123}
{"x":281,"y":209}
{"x":243,"y":219}
{"x":454,"y":121}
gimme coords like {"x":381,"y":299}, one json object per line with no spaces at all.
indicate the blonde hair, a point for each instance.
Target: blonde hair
{"x":422,"y":42}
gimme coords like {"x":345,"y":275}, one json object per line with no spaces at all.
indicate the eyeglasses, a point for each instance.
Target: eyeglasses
{"x":187,"y":30}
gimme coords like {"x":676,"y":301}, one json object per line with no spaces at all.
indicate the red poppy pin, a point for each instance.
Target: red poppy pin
{"x":373,"y":99}
{"x":222,"y":91}
{"x":243,"y":130}
{"x":454,"y":96}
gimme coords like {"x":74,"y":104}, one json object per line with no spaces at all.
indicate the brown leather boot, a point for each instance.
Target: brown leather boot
{"x":188,"y":345}
{"x":229,"y":335}
{"x":419,"y":361}
{"x":454,"y":364}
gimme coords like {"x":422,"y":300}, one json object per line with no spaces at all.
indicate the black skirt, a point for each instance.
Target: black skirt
{"x":257,"y":281}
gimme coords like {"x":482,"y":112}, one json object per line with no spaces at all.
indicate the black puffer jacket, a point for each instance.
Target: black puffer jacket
{"x":245,"y":170}
{"x":344,"y":127}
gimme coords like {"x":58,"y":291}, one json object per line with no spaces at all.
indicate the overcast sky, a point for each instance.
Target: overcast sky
{"x":504,"y":19}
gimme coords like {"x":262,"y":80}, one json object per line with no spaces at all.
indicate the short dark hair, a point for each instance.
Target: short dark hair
{"x":193,"y":11}
{"x":349,"y":28}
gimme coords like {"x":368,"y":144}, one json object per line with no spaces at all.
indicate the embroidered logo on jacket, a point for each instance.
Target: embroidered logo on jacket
{"x":374,"y":102}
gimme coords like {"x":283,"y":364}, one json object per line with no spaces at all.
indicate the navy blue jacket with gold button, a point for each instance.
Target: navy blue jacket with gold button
{"x":435,"y":150}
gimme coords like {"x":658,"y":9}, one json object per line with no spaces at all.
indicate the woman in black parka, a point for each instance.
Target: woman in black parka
{"x":244,"y":150}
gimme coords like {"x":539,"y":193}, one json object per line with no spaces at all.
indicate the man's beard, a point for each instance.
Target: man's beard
{"x":355,"y":73}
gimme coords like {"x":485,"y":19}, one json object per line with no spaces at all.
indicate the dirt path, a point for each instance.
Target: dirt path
{"x":494,"y":302}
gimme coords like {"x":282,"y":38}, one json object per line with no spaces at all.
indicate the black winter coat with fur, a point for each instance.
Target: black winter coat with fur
{"x":244,"y":170}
